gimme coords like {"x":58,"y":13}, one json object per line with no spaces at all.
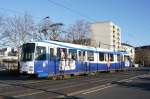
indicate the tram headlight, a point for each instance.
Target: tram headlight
{"x":30,"y":68}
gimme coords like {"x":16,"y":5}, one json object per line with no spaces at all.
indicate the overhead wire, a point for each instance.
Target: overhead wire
{"x":16,"y":12}
{"x":75,"y":12}
{"x":70,"y":9}
{"x":67,"y":8}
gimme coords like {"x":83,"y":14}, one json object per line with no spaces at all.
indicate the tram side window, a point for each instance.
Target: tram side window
{"x":52,"y":55}
{"x":81,"y":55}
{"x":101,"y":56}
{"x":73,"y":54}
{"x":62,"y":53}
{"x":111,"y":57}
{"x":126,"y":58}
{"x":40,"y":53}
{"x":90,"y":56}
{"x":118,"y":57}
{"x":105,"y":57}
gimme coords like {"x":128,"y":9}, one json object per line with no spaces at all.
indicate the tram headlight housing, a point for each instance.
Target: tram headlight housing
{"x":30,"y":68}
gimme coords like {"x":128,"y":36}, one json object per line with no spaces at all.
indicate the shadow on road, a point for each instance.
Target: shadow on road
{"x":9,"y":75}
{"x":14,"y":75}
{"x":6,"y":97}
{"x":143,"y":84}
{"x":68,"y":97}
{"x":145,"y":78}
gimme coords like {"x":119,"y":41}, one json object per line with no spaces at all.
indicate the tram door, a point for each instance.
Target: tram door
{"x":52,"y":63}
{"x":122,"y":61}
{"x":82,"y":64}
{"x":41,"y":63}
{"x":67,"y":58}
{"x":119,"y":60}
{"x":90,"y":61}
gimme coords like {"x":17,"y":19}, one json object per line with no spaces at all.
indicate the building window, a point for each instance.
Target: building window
{"x":131,"y":50}
{"x":118,"y":29}
{"x":113,"y":27}
{"x":113,"y":36}
{"x":114,"y":41}
{"x":118,"y":33}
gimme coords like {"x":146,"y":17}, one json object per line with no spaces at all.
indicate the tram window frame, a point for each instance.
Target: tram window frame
{"x":40,"y":55}
{"x":111,"y":57}
{"x":81,"y":55}
{"x":105,"y":57}
{"x":118,"y":57}
{"x":52,"y":53}
{"x":126,"y":58}
{"x":59,"y":53}
{"x":101,"y":56}
{"x":72,"y":54}
{"x":90,"y":55}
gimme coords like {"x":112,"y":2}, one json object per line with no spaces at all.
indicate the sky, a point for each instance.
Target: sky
{"x":132,"y":16}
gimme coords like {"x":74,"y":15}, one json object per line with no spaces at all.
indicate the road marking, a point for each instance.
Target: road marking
{"x":128,"y":79}
{"x":28,"y":94}
{"x":75,"y":85}
{"x":18,"y":91}
{"x":86,"y":90}
{"x":97,"y":89}
{"x":33,"y":82}
{"x":108,"y":85}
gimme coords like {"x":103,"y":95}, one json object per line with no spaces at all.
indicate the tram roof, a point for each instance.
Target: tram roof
{"x":79,"y":47}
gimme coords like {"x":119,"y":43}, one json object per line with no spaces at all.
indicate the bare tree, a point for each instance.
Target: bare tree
{"x":1,"y":26}
{"x":17,"y":30}
{"x":1,"y":20}
{"x":79,"y":33}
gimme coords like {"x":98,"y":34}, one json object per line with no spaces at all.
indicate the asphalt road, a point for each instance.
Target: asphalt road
{"x":134,"y":88}
{"x":124,"y":85}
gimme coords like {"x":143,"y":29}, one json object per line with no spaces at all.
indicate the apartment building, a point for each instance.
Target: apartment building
{"x":106,"y":35}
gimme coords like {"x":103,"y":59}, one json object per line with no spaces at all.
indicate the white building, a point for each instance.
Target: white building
{"x":130,"y":50}
{"x":5,"y":51}
{"x":8,"y":53}
{"x":106,"y":35}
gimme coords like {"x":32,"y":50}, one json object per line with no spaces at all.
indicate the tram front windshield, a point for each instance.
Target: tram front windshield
{"x":27,"y":53}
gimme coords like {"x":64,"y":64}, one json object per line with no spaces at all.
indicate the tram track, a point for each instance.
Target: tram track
{"x":28,"y":88}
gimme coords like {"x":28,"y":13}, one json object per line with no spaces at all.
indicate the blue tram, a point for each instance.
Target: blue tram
{"x":51,"y":58}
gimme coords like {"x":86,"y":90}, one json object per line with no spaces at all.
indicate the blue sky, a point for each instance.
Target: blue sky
{"x":131,"y":15}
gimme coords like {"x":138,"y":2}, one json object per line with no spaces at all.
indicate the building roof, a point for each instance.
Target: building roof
{"x":107,"y":21}
{"x":144,"y":47}
{"x":125,"y":44}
